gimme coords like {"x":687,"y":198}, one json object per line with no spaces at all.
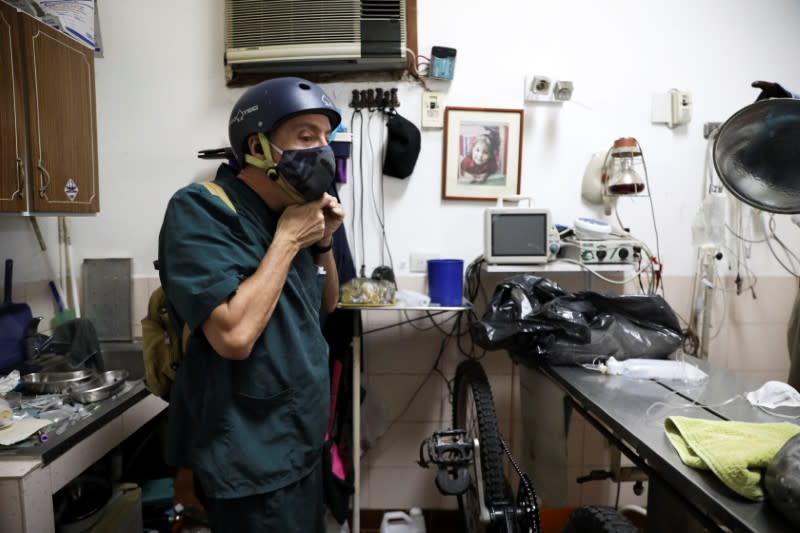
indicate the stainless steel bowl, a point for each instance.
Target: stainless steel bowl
{"x":54,"y":382}
{"x":105,"y":385}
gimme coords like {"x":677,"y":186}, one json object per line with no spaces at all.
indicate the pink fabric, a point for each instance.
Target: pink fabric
{"x":336,"y":459}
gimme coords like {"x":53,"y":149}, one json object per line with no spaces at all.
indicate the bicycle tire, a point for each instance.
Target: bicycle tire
{"x":598,"y":519}
{"x":472,"y":397}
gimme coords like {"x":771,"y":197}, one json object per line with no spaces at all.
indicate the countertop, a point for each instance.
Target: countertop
{"x":101,"y":413}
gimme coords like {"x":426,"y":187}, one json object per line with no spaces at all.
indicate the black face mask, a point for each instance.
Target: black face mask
{"x":310,"y":171}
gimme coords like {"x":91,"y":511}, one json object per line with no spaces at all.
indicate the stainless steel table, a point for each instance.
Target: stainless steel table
{"x":618,"y":408}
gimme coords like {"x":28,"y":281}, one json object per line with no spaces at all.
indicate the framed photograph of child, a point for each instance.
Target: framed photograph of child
{"x":482,"y":153}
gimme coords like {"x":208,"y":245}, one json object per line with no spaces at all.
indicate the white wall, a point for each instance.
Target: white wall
{"x":161,"y":96}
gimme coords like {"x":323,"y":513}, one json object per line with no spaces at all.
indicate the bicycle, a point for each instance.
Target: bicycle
{"x":470,"y":459}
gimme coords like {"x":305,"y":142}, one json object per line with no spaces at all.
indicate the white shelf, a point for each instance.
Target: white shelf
{"x":563,"y":266}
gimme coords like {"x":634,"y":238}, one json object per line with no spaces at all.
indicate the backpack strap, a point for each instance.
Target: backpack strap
{"x":217,"y":190}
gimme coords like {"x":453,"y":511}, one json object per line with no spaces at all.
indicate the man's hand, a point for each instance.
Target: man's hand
{"x":311,"y":223}
{"x":303,"y":224}
{"x":334,"y":216}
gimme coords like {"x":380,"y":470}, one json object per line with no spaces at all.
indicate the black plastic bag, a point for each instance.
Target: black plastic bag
{"x":539,"y":322}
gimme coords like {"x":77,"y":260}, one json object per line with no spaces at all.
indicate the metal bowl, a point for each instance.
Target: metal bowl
{"x":106,"y":384}
{"x":54,"y":382}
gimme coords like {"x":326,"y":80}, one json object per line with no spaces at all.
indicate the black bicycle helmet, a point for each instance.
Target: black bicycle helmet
{"x":264,"y":106}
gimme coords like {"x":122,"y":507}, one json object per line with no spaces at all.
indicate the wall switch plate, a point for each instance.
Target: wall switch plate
{"x":432,"y":109}
{"x":539,"y":88}
{"x":672,"y":108}
{"x":419,"y":261}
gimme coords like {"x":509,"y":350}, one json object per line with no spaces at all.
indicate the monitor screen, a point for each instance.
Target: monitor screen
{"x":519,"y":234}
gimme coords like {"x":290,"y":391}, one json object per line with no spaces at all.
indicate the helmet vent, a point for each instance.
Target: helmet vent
{"x":304,"y":86}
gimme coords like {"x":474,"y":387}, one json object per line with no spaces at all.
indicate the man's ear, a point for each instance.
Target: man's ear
{"x":254,"y":146}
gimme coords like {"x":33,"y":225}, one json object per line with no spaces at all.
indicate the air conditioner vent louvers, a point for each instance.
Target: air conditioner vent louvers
{"x":264,"y":23}
{"x":317,"y":34}
{"x":380,"y":9}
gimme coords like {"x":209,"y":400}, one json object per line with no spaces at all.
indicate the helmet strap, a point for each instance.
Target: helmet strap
{"x":269,"y":168}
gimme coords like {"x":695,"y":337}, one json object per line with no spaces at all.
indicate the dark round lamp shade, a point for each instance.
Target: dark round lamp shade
{"x":757,"y":155}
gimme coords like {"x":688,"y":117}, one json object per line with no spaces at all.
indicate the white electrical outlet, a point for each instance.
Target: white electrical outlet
{"x":432,"y":109}
{"x":419,"y":261}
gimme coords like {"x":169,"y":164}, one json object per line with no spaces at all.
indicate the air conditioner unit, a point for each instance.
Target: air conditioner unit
{"x":295,"y":36}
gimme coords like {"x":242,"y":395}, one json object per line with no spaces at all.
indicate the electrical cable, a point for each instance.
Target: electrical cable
{"x":383,"y":199}
{"x":597,"y":275}
{"x":380,"y":212}
{"x":415,"y":72}
{"x":743,"y":239}
{"x":718,"y":286}
{"x":402,"y":322}
{"x":354,"y":236}
{"x":789,"y":253}
{"x":434,"y":324}
{"x":362,"y":270}
{"x":434,"y":369}
{"x":660,"y":274}
{"x":372,"y":182}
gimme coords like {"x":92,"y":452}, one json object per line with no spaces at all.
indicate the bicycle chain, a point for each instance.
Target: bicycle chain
{"x":526,"y":495}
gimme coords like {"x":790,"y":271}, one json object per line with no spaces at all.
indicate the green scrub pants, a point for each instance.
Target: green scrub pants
{"x":298,"y":508}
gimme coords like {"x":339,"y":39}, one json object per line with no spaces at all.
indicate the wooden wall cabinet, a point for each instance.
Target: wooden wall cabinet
{"x":48,"y":132}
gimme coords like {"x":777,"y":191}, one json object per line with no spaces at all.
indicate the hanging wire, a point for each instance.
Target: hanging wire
{"x":660,"y":274}
{"x":362,"y":270}
{"x":454,"y":333}
{"x":383,"y":199}
{"x":791,"y":256}
{"x":379,"y":202}
{"x":413,"y":67}
{"x":354,"y":236}
{"x":371,"y":180}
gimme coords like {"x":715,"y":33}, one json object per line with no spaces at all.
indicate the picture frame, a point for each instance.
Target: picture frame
{"x":482,"y":153}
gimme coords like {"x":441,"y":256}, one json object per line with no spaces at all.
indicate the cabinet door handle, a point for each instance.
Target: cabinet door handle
{"x":20,"y":180}
{"x":43,"y":186}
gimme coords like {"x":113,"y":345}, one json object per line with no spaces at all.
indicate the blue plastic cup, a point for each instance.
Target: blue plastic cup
{"x":446,"y":281}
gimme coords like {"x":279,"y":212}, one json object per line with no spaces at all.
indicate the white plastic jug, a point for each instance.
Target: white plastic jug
{"x":400,"y":522}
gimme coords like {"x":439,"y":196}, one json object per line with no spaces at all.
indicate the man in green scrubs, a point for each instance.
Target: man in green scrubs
{"x":249,"y":274}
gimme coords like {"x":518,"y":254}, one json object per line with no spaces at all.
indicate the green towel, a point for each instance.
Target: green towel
{"x":736,"y":452}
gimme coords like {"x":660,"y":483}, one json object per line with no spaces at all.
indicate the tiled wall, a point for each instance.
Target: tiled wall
{"x":405,"y":402}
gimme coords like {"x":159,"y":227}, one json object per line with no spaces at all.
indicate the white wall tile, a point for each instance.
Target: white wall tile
{"x":365,"y":487}
{"x":411,"y":397}
{"x":399,"y":445}
{"x":758,"y":347}
{"x":773,"y":302}
{"x":678,"y":294}
{"x":493,"y":362}
{"x":401,"y":488}
{"x":762,"y":376}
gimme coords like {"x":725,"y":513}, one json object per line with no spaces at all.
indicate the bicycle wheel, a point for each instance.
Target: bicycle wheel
{"x":598,"y":519}
{"x":473,"y":411}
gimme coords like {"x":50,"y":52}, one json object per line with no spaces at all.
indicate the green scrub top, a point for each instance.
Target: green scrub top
{"x":257,"y":425}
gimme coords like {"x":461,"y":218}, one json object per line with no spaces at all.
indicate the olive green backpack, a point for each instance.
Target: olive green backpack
{"x":163,"y":344}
